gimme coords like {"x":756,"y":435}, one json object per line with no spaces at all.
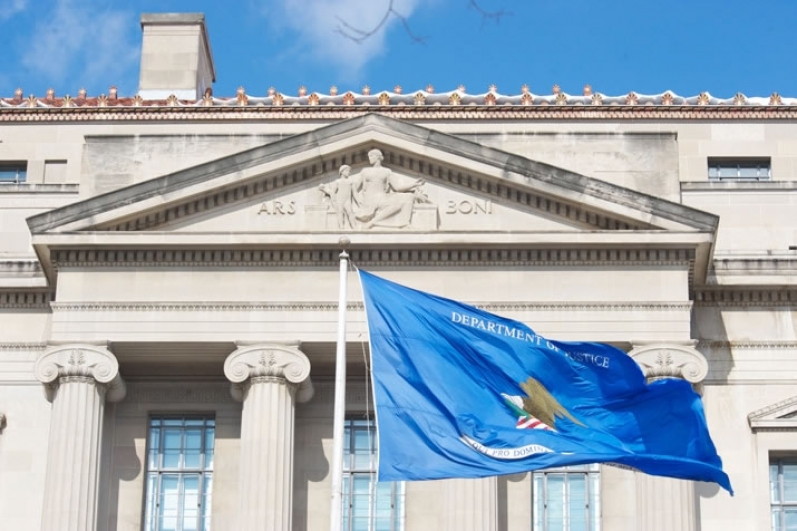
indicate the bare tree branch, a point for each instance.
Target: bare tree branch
{"x":359,"y":35}
{"x":495,"y":16}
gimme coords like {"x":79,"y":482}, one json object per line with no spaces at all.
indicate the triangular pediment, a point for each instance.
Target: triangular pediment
{"x":284,"y":187}
{"x":779,"y":416}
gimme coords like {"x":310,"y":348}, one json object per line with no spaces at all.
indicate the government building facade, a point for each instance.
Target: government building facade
{"x":169,"y":291}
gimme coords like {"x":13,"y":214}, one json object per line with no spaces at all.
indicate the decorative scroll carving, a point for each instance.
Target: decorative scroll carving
{"x":81,"y":361}
{"x":269,"y":361}
{"x":375,"y":197}
{"x":671,"y":361}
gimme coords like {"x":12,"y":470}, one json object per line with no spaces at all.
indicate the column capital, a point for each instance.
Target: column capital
{"x":279,"y":361}
{"x":670,"y":360}
{"x":81,"y":360}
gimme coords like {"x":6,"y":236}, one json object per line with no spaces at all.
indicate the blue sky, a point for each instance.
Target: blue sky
{"x":687,"y":46}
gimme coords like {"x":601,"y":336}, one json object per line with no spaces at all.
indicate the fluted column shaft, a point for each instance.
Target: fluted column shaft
{"x":268,"y":379}
{"x":78,"y":380}
{"x":471,"y":505}
{"x":666,"y":504}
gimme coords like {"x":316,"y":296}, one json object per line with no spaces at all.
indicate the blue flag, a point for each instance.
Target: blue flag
{"x":463,"y":393}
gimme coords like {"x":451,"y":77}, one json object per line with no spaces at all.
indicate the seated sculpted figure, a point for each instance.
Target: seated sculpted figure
{"x":387,"y":199}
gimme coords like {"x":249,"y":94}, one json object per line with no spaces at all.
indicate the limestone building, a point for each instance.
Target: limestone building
{"x":169,"y":282}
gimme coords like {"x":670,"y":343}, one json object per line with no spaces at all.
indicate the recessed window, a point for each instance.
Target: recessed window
{"x":567,"y":499}
{"x":179,"y":473}
{"x":367,"y":505}
{"x":13,"y":172}
{"x":783,"y":493}
{"x":739,"y":169}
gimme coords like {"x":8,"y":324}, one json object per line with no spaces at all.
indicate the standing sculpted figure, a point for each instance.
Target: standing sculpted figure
{"x":343,"y":195}
{"x":387,"y":199}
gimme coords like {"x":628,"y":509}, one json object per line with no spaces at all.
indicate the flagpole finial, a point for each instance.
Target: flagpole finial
{"x":344,"y":243}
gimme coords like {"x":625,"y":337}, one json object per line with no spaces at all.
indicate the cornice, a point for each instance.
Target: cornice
{"x":369,"y":257}
{"x":322,"y":306}
{"x":417,"y":105}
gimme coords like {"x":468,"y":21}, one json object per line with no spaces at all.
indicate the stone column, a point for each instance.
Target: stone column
{"x":78,"y":379}
{"x":471,"y":505}
{"x":268,"y":379}
{"x":666,"y":504}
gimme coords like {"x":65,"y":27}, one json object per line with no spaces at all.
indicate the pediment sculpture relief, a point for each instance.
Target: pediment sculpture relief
{"x":378,"y":197}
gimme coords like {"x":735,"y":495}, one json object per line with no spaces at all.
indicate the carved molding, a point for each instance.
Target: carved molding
{"x":278,"y":362}
{"x":369,"y":257}
{"x":22,"y":346}
{"x":712,"y":344}
{"x":671,"y":361}
{"x":81,"y":361}
{"x":305,"y":306}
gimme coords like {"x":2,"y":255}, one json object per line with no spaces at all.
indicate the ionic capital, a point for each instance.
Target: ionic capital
{"x":280,"y":362}
{"x":81,"y":361}
{"x":664,"y":360}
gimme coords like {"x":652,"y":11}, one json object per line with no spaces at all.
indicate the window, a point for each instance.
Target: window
{"x":743,"y":169}
{"x":367,"y":505}
{"x":567,"y":499}
{"x":13,"y":172}
{"x":783,"y":494}
{"x":179,"y":473}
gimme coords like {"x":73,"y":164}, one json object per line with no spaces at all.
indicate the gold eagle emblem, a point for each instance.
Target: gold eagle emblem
{"x":541,"y":404}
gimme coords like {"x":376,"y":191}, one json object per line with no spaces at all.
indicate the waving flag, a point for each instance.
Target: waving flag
{"x":460,"y":393}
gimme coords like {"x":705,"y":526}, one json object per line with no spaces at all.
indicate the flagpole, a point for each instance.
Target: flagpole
{"x":340,"y":395}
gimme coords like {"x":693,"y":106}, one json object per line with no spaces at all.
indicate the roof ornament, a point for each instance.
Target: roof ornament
{"x":32,"y":101}
{"x":314,"y":99}
{"x":739,"y":99}
{"x":67,"y":101}
{"x":113,"y":93}
{"x":50,"y":94}
{"x":18,"y":94}
{"x":587,"y":90}
{"x":397,"y":89}
{"x":277,"y":99}
{"x":348,"y":99}
{"x":489,"y":98}
{"x":333,"y":90}
{"x":384,"y":99}
{"x":632,"y":98}
{"x":703,"y":99}
{"x":366,"y":90}
{"x":138,"y":101}
{"x":493,"y":88}
{"x":667,"y":98}
{"x":556,"y":89}
{"x":454,"y":99}
{"x":430,"y":89}
{"x":419,"y":98}
{"x":561,"y":98}
{"x":461,"y":88}
{"x":271,"y":92}
{"x":241,"y":97}
{"x":102,"y":101}
{"x":302,"y":91}
{"x":775,"y":99}
{"x":172,"y":101}
{"x":81,"y":93}
{"x":597,"y":99}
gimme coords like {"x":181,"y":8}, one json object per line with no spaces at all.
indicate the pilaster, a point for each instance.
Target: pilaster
{"x":268,"y":379}
{"x":78,"y":379}
{"x":471,"y":504}
{"x":666,"y":504}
